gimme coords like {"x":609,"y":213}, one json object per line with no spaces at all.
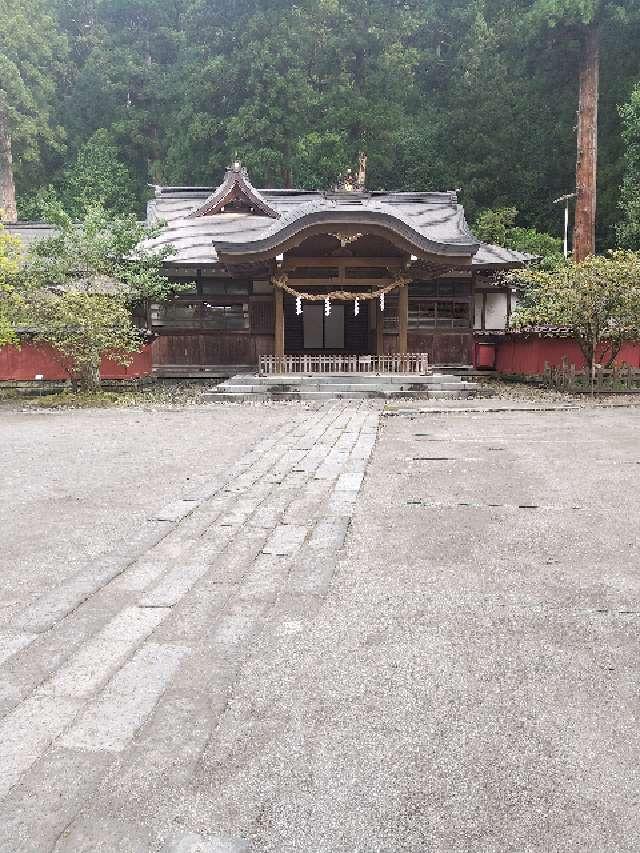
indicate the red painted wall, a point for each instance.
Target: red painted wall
{"x":28,"y":361}
{"x":527,"y":356}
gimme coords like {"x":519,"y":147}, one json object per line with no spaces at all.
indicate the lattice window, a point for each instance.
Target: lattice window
{"x":262,"y":318}
{"x":440,"y":314}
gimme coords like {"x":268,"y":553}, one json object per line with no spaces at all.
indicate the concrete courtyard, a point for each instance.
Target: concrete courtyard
{"x":241,"y":629}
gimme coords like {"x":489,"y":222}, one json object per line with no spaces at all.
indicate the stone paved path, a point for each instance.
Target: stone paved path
{"x":115,"y":682}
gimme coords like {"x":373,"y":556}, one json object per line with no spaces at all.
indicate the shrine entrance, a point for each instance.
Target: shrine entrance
{"x":322,"y":331}
{"x":313,"y":331}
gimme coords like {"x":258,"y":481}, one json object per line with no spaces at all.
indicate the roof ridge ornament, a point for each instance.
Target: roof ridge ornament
{"x":236,"y":190}
{"x":354,"y":183}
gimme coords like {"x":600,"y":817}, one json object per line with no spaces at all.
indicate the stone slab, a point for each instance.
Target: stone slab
{"x":94,"y":834}
{"x":350,"y":482}
{"x":54,"y":605}
{"x":175,"y":511}
{"x":191,"y":619}
{"x":341,"y":504}
{"x":92,"y":665}
{"x":264,"y":578}
{"x":234,"y":630}
{"x":110,"y":723}
{"x":328,"y":535}
{"x":286,"y":539}
{"x":38,"y":810}
{"x":174,"y":586}
{"x":191,"y":842}
{"x":12,"y":642}
{"x":142,"y":574}
{"x":232,"y":564}
{"x":27,"y":732}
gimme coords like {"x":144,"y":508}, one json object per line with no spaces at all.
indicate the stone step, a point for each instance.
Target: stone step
{"x":344,"y":388}
{"x":336,"y":379}
{"x":243,"y":396}
{"x":348,"y":386}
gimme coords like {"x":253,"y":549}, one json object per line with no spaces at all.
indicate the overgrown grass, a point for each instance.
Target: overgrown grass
{"x":178,"y":394}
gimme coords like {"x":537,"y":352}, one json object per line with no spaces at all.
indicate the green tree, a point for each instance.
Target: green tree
{"x":598,"y":299}
{"x":32,"y":55}
{"x":441,"y":94}
{"x":585,"y":19}
{"x":87,"y":289}
{"x":84,"y":327}
{"x":101,"y":250}
{"x":628,"y":230}
{"x":10,"y":258}
{"x":122,"y":56}
{"x":494,"y":226}
{"x":98,"y":177}
{"x":497,"y":226}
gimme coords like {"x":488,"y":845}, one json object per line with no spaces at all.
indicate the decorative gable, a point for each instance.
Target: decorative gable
{"x":236,"y":193}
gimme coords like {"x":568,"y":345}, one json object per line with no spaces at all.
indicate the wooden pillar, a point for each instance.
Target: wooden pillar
{"x":403,"y":319}
{"x":379,"y":329}
{"x":278,"y":348}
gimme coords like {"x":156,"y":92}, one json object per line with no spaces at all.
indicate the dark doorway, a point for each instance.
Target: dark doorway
{"x":311,"y":331}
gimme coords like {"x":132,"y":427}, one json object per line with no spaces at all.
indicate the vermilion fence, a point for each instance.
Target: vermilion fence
{"x":30,"y":362}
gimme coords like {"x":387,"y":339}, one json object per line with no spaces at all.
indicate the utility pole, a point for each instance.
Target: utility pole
{"x":565,"y":199}
{"x":584,"y":238}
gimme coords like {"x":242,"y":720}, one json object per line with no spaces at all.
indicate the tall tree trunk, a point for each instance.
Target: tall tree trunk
{"x":584,"y":239}
{"x":7,"y":187}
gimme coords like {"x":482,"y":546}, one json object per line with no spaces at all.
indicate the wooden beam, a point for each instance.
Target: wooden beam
{"x":292,"y":262}
{"x":403,"y":319}
{"x":344,"y":284}
{"x":278,"y":347}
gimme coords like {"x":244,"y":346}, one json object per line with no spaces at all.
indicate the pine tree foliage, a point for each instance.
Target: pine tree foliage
{"x":478,"y":95}
{"x":629,"y":227}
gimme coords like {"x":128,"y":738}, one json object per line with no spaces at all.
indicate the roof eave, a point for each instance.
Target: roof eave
{"x":293,"y":232}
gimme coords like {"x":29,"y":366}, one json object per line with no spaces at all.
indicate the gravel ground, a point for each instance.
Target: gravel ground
{"x":471,"y":681}
{"x":75,"y":481}
{"x":461,"y":674}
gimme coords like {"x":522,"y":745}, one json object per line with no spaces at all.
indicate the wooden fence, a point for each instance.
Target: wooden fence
{"x":414,"y":362}
{"x":607,"y":379}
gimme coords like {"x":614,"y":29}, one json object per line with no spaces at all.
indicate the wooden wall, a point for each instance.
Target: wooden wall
{"x":211,"y":348}
{"x":175,"y":346}
{"x":442,"y":347}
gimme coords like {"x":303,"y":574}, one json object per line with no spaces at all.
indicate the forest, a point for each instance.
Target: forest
{"x":103,"y":98}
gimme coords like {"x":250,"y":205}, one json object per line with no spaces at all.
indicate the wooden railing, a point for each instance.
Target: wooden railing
{"x":566,"y":377}
{"x":413,"y":362}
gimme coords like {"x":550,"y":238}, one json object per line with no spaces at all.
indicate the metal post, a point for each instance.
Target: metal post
{"x":565,"y":199}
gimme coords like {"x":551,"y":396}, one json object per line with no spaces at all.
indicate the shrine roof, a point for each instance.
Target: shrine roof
{"x":236,"y":223}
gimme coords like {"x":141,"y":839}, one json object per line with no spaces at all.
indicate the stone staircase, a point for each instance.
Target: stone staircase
{"x":345,"y":386}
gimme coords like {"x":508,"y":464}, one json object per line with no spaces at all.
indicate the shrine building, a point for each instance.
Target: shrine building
{"x":288,"y":272}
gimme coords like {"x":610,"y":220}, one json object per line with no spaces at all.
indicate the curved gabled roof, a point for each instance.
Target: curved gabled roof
{"x":205,"y":231}
{"x":446,"y":235}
